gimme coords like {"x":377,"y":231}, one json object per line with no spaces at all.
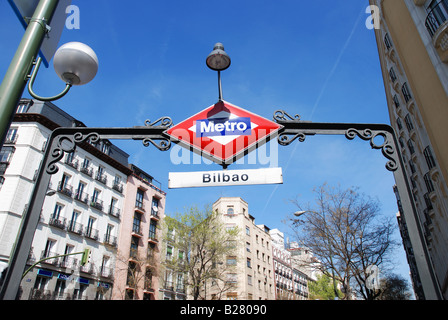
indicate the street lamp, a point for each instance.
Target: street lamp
{"x":299,"y":213}
{"x":74,"y":62}
{"x":218,"y":60}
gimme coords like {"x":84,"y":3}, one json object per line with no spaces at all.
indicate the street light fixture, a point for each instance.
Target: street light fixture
{"x":299,"y":213}
{"x":74,"y":62}
{"x":218,"y":60}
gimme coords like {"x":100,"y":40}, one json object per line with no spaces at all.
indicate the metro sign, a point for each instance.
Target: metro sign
{"x":223,"y":132}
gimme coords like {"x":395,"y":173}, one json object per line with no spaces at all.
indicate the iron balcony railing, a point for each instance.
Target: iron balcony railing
{"x":436,"y":17}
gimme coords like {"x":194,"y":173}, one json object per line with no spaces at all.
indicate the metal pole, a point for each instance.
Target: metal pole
{"x":16,"y":77}
{"x":219,"y":85}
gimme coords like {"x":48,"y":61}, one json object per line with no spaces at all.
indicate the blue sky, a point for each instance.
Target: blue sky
{"x":313,"y":58}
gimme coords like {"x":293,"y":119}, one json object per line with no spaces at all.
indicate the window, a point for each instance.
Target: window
{"x":247,"y":230}
{"x":57,"y":211}
{"x":169,"y":253}
{"x":134,"y":247}
{"x":428,"y":183}
{"x":6,"y":154}
{"x":139,"y":199}
{"x":437,"y":15}
{"x":11,"y":136}
{"x":411,"y":146}
{"x":109,"y":231}
{"x":231,"y":296}
{"x":406,"y":93}
{"x":231,"y":261}
{"x":90,"y":232}
{"x":409,"y":124}
{"x":249,"y":263}
{"x":23,"y":108}
{"x":152,"y":229}
{"x":396,"y":101}
{"x":399,"y":124}
{"x":231,"y":278}
{"x":392,"y":75}
{"x":387,"y":41}
{"x":96,"y":194}
{"x":155,"y":206}
{"x":230,"y":211}
{"x":429,"y":158}
{"x":73,"y":223}
{"x":48,"y":252}
{"x":136,"y":222}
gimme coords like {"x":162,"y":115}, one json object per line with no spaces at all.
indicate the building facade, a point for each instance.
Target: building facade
{"x":290,"y":281}
{"x":138,"y":256}
{"x":81,"y":210}
{"x":95,"y":201}
{"x":252,"y":267}
{"x":412,"y":37}
{"x":172,"y":281}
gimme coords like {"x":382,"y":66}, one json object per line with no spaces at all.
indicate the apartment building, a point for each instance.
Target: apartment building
{"x":252,"y":267}
{"x":81,"y":210}
{"x":172,"y":282}
{"x":139,"y":246}
{"x":291,"y":283}
{"x":412,"y":44}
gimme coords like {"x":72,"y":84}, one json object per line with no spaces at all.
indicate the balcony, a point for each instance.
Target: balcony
{"x":58,"y":223}
{"x":101,"y":177}
{"x":118,"y":187}
{"x":67,"y":262}
{"x":114,"y":211}
{"x":107,"y":272}
{"x":72,"y":163}
{"x":139,"y":207}
{"x":137,"y":231}
{"x":92,"y":234}
{"x":97,"y":204}
{"x":65,"y":189}
{"x":110,"y":240}
{"x":437,"y":26}
{"x":47,"y":254}
{"x":86,"y":170}
{"x":81,"y":196}
{"x":152,"y":238}
{"x":74,"y":227}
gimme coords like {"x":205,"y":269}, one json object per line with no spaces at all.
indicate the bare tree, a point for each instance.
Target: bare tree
{"x":346,"y":234}
{"x":205,"y":243}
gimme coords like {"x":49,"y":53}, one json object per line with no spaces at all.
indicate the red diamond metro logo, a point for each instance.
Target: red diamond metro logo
{"x":223,"y":132}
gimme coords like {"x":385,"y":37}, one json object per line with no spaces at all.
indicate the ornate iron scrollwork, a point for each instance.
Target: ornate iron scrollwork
{"x":284,"y":138}
{"x":281,"y":115}
{"x":67,"y":144}
{"x":164,"y":143}
{"x":294,"y":128}
{"x":386,"y":147}
{"x":164,"y":122}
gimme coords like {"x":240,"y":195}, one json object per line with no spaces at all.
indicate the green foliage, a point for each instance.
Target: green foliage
{"x":322,"y":289}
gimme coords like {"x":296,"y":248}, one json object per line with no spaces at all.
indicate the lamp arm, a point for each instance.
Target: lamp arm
{"x":32,"y":78}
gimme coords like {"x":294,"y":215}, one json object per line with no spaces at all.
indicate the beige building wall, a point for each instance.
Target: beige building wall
{"x":253,"y":275}
{"x":412,"y":44}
